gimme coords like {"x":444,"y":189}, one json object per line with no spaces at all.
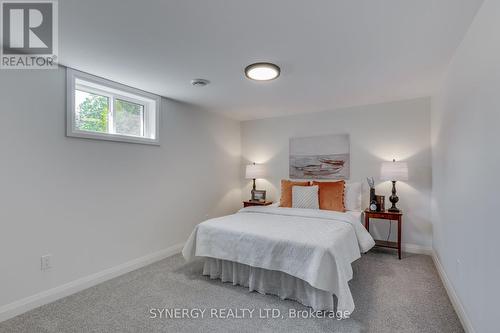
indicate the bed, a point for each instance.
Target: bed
{"x":299,"y":254}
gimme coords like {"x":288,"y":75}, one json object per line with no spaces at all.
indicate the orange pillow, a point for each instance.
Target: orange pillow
{"x":286,"y":192}
{"x":331,"y":195}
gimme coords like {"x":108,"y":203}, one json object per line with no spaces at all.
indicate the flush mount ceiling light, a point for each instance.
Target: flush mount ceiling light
{"x":262,"y":71}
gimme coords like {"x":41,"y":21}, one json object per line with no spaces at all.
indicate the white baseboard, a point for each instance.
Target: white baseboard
{"x":18,"y":307}
{"x":455,"y":300}
{"x":418,"y":249}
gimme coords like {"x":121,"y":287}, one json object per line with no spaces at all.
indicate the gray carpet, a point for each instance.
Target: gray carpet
{"x":390,"y":296}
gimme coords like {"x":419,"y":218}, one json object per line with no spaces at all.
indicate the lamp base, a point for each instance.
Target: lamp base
{"x":253,"y":190}
{"x":394,"y":199}
{"x":394,"y":210}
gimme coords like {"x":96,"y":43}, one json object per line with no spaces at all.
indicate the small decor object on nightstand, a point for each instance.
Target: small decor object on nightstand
{"x":394,"y":171}
{"x":255,"y":171}
{"x":259,"y":195}
{"x":380,"y":199}
{"x":371,"y":183}
{"x":373,"y":200}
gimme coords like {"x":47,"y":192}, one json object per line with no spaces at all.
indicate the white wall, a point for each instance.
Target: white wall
{"x":378,"y":133}
{"x":94,"y":204}
{"x":466,"y":162}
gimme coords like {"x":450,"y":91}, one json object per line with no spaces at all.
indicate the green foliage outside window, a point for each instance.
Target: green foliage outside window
{"x":128,"y":117}
{"x":93,"y":114}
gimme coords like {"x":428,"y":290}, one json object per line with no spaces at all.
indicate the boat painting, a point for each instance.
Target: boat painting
{"x":321,"y":157}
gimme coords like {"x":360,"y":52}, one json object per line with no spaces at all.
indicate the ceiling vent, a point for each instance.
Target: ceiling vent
{"x":199,"y":82}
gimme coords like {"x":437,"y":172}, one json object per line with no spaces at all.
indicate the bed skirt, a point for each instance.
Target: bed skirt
{"x":269,"y":282}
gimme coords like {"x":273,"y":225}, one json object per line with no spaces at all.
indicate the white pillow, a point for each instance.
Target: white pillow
{"x":352,"y":196}
{"x":305,"y":197}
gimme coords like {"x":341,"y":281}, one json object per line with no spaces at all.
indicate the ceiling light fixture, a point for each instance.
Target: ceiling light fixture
{"x":199,"y":82}
{"x":262,"y":71}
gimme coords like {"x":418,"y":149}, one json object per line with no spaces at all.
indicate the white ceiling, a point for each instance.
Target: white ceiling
{"x":332,"y":53}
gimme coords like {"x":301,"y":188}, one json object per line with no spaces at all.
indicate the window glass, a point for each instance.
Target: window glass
{"x":91,"y":112}
{"x":128,"y":118}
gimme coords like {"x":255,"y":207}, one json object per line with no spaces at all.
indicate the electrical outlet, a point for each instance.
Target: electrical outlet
{"x":45,"y":262}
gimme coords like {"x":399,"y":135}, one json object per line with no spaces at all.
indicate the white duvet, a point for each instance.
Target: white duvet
{"x":316,"y":246}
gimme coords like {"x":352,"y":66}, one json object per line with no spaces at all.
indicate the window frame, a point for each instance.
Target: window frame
{"x":151,"y":107}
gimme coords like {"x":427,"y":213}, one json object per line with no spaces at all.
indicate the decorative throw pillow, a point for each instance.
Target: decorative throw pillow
{"x":352,"y":196}
{"x":286,"y":192}
{"x":331,"y":195}
{"x":305,"y":197}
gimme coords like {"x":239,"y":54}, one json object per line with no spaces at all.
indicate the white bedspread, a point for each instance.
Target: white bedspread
{"x":316,"y":246}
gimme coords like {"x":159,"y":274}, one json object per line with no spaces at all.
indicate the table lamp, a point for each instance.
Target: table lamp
{"x":255,"y":171}
{"x":394,"y":171}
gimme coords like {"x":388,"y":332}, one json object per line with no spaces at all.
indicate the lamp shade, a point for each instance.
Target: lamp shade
{"x":394,"y":171}
{"x":255,"y":171}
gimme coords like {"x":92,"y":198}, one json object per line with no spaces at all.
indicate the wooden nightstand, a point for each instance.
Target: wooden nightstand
{"x":249,"y":203}
{"x":398,"y":217}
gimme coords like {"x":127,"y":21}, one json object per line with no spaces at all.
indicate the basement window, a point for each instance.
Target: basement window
{"x":105,"y":110}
